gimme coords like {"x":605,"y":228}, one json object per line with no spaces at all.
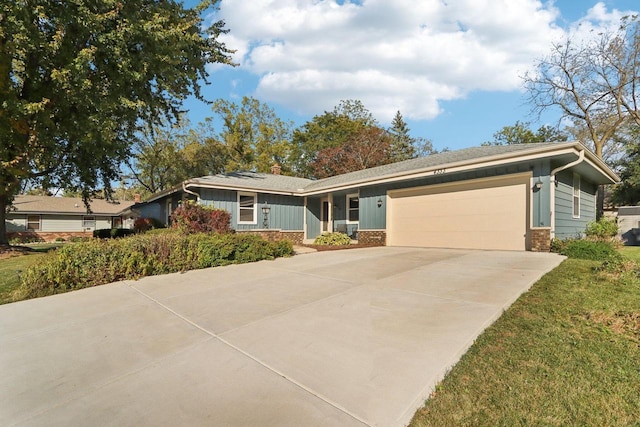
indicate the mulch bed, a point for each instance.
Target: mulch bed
{"x":10,"y":250}
{"x":338,"y":247}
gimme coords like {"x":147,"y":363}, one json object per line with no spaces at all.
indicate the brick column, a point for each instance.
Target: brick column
{"x":540,"y":239}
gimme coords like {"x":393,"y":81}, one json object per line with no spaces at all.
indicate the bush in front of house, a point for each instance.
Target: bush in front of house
{"x":142,"y":224}
{"x":98,"y":262}
{"x":597,"y":250}
{"x":332,"y":239}
{"x":102,"y":233}
{"x":603,"y":229}
{"x":112,"y":233}
{"x":121,"y":232}
{"x":191,"y":217}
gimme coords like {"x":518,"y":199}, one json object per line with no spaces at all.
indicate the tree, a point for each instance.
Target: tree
{"x":402,"y":144}
{"x":628,"y":166}
{"x":164,"y":156}
{"x":253,"y":136}
{"x":593,"y":83}
{"x":329,"y":130}
{"x":77,"y":77}
{"x":521,"y":133}
{"x":367,"y":148}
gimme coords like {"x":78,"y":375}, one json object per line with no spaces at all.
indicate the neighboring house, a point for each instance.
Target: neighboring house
{"x":629,"y":224}
{"x":48,"y":218}
{"x":515,"y":197}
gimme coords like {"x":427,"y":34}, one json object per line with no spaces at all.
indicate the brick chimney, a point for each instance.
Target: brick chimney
{"x":276,"y":169}
{"x":136,"y":198}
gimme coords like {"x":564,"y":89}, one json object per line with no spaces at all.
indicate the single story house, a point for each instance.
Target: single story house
{"x":47,"y":218}
{"x":514,"y":197}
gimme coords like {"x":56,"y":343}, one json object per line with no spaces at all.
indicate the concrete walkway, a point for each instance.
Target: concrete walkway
{"x":342,"y":338}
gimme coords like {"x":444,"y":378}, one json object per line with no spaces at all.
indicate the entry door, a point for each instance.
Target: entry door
{"x":324,"y":215}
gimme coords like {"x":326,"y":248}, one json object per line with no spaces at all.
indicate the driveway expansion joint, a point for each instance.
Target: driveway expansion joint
{"x":252,"y":357}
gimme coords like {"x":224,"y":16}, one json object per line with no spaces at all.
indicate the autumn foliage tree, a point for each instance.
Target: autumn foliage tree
{"x":364,"y":149}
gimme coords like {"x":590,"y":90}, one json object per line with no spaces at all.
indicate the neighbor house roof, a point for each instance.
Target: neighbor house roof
{"x":445,"y":162}
{"x":65,"y":205}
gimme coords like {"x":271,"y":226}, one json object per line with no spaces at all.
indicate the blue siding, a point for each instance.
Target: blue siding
{"x":566,"y":226}
{"x":373,"y":217}
{"x":313,"y":217}
{"x":286,"y":212}
{"x":541,"y":199}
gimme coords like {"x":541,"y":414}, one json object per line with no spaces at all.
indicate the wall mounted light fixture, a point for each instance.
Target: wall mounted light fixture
{"x":265,"y":214}
{"x":538,"y":184}
{"x":379,"y":203}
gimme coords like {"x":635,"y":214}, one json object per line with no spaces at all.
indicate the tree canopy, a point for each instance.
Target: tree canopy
{"x":594,"y":83}
{"x":253,"y":137}
{"x":77,"y":77}
{"x":521,"y":133}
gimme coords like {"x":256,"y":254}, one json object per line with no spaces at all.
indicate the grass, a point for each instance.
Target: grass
{"x":11,"y":267}
{"x":566,"y":353}
{"x":631,"y":252}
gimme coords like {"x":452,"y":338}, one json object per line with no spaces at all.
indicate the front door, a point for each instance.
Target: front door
{"x":324,"y":215}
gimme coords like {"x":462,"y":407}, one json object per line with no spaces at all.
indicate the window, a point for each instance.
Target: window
{"x":576,"y":195}
{"x":247,"y":203}
{"x":88,"y":222}
{"x":353,"y":208}
{"x":33,"y":222}
{"x":116,"y":222}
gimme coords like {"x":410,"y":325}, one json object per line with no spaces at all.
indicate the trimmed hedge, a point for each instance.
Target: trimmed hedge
{"x":98,"y":262}
{"x":112,"y":233}
{"x":332,"y":239}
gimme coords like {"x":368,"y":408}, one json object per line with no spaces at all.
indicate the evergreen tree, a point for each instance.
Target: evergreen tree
{"x":402,"y":144}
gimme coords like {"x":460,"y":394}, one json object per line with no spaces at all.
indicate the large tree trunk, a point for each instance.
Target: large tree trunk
{"x":4,"y":203}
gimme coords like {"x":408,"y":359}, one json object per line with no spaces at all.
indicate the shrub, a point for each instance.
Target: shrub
{"x":588,"y":249}
{"x":78,"y":239}
{"x":603,"y":229}
{"x":191,"y":217}
{"x":25,"y":238}
{"x":121,"y":232}
{"x":101,"y":261}
{"x":142,"y":224}
{"x":333,"y":239}
{"x":557,"y":245}
{"x":102,"y":233}
{"x":60,"y":239}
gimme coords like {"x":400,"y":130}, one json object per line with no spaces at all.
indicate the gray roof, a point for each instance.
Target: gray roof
{"x":65,"y":205}
{"x":255,"y":180}
{"x":467,"y":157}
{"x":431,"y":161}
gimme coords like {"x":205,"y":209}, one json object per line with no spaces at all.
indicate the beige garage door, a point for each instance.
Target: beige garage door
{"x":479,"y":214}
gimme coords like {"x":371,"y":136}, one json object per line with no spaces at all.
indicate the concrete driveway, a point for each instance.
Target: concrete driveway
{"x":350,"y":338}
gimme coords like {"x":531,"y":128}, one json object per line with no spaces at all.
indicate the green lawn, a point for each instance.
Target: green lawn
{"x":10,"y":268}
{"x":566,"y":353}
{"x":632,"y":252}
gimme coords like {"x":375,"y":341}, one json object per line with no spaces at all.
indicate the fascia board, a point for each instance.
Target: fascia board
{"x":455,"y":167}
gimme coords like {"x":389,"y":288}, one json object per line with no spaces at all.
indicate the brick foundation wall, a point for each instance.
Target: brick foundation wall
{"x":48,"y":236}
{"x":372,"y":237}
{"x":295,"y":237}
{"x":540,"y":239}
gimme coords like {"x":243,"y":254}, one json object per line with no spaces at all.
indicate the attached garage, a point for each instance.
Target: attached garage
{"x":491,"y":213}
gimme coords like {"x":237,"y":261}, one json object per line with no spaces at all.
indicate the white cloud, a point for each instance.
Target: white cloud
{"x":402,"y":55}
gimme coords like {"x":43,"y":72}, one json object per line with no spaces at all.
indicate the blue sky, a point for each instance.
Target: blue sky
{"x":452,"y":67}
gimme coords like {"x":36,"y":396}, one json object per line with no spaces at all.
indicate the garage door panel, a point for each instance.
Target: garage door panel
{"x":476,"y":214}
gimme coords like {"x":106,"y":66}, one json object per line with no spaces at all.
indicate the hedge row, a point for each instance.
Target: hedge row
{"x":99,"y":262}
{"x":112,"y":233}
